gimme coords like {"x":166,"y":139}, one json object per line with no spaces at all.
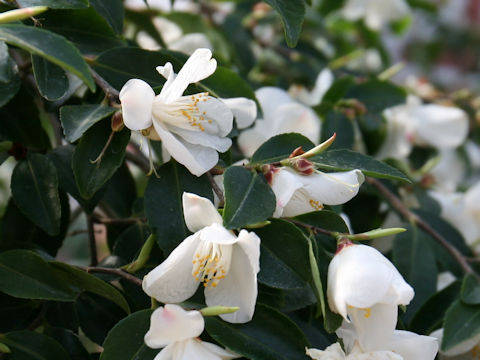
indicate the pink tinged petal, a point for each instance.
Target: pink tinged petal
{"x":270,"y":98}
{"x":295,"y":117}
{"x":172,"y":323}
{"x":412,"y":346}
{"x":244,"y":110}
{"x":238,"y":288}
{"x":196,"y":158}
{"x":137,"y":98}
{"x":199,"y":66}
{"x":199,"y":212}
{"x":284,"y":185}
{"x":172,"y":281}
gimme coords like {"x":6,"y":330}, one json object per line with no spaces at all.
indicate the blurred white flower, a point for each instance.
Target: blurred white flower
{"x":297,"y":194}
{"x":192,"y":127}
{"x":375,"y":12}
{"x":369,"y":61}
{"x":176,"y":331}
{"x":226,"y":264}
{"x":366,"y":289}
{"x":163,"y":5}
{"x":469,"y":349}
{"x":281,"y":114}
{"x":439,"y":126}
{"x":314,"y":97}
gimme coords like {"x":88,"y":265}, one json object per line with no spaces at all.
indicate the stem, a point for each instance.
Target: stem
{"x":217,"y":189}
{"x":138,"y":158}
{"x":398,"y":205}
{"x":118,"y":272}
{"x":315,"y":229}
{"x":92,"y":242}
{"x":143,"y":256}
{"x":109,"y":90}
{"x":125,"y":221}
{"x":98,"y":160}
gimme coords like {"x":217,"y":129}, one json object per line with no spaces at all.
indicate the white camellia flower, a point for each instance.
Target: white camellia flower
{"x":469,"y":349}
{"x":192,"y":127}
{"x":366,"y":289}
{"x":439,"y":126}
{"x":297,"y":194}
{"x":226,"y":264}
{"x":281,"y":114}
{"x":176,"y":331}
{"x":311,"y":98}
{"x":375,"y":12}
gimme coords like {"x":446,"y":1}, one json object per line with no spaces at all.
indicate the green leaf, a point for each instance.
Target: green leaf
{"x":324,"y":219}
{"x":125,"y":340}
{"x":377,"y":95}
{"x":28,"y":345}
{"x":26,"y":275}
{"x":50,"y":46}
{"x":91,"y":177}
{"x":76,"y":119}
{"x":270,"y":335}
{"x":292,"y":13}
{"x":70,"y":342}
{"x":55,"y":4}
{"x":86,"y":282}
{"x":6,"y":70}
{"x":283,"y":254}
{"x":35,"y":191}
{"x":248,"y":198}
{"x":9,"y":88}
{"x":471,"y":290}
{"x":226,"y":83}
{"x":163,"y":202}
{"x":337,"y":122}
{"x":415,"y":260}
{"x":52,"y":82}
{"x":462,"y":322}
{"x":342,"y":160}
{"x":280,"y":147}
{"x":112,"y":11}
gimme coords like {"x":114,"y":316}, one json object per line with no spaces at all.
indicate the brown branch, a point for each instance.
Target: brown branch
{"x":110,"y":271}
{"x":91,"y":241}
{"x":125,"y":221}
{"x":399,"y":206}
{"x":138,"y":159}
{"x":314,"y":229}
{"x":109,"y":90}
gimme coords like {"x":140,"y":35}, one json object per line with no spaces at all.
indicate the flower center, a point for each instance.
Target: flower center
{"x":315,"y":204}
{"x":368,"y":311}
{"x":211,"y":263}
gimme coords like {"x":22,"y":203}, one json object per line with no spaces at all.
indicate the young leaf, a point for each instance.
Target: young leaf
{"x":35,"y":191}
{"x":50,"y":46}
{"x":52,"y":82}
{"x":248,"y":198}
{"x":292,"y":14}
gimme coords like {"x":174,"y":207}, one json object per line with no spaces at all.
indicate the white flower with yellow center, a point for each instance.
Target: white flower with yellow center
{"x":176,"y":331}
{"x":226,"y":264}
{"x":366,"y":289}
{"x":192,"y":128}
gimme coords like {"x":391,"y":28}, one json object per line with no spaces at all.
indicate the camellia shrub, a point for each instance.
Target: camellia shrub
{"x":187,"y":180}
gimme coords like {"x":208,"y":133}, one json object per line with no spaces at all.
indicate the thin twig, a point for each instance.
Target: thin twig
{"x":91,"y":241}
{"x":109,"y":90}
{"x":117,"y":272}
{"x":138,"y":159}
{"x":398,"y":205}
{"x":105,"y":220}
{"x":216,"y":189}
{"x":39,"y":318}
{"x":314,"y":229}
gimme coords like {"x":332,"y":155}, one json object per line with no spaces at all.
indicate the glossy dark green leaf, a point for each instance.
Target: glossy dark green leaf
{"x":430,"y":315}
{"x":342,"y":159}
{"x":248,"y":198}
{"x":279,"y":147}
{"x":163,"y":202}
{"x":16,"y":313}
{"x":292,"y":13}
{"x":339,"y":123}
{"x":112,"y":11}
{"x":26,"y":275}
{"x":76,"y":119}
{"x":125,"y":340}
{"x":283,"y":256}
{"x":377,"y":95}
{"x":122,"y":182}
{"x":128,"y":243}
{"x":471,"y":290}
{"x":414,"y":258}
{"x":86,"y":282}
{"x":28,"y":345}
{"x":35,"y":191}
{"x":226,"y":83}
{"x":91,"y":177}
{"x":9,"y":77}
{"x":6,"y":70}
{"x":52,"y":82}
{"x":269,"y":336}
{"x":70,"y":343}
{"x":55,"y":4}
{"x":324,"y":219}
{"x":50,"y":46}
{"x":462,"y":322}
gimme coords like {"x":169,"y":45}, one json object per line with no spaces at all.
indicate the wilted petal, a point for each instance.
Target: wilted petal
{"x":172,"y":323}
{"x":137,"y":98}
{"x":199,"y":212}
{"x":244,"y":110}
{"x":172,"y":281}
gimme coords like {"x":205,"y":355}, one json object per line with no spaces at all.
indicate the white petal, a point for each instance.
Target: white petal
{"x":167,"y":72}
{"x":191,"y":42}
{"x":196,"y":349}
{"x":172,"y":323}
{"x":217,"y":234}
{"x":221,"y":353}
{"x":216,"y":111}
{"x":196,"y":158}
{"x":270,"y":98}
{"x":137,"y":98}
{"x":472,"y":201}
{"x":202,"y":138}
{"x":244,"y":110}
{"x":168,"y":29}
{"x":199,"y":66}
{"x":250,"y":140}
{"x":412,"y":346}
{"x":354,"y":9}
{"x":172,"y":280}
{"x":238,"y":288}
{"x":295,"y":117}
{"x":311,"y":98}
{"x":168,"y":352}
{"x":250,"y":243}
{"x":333,"y":352}
{"x":199,"y":212}
{"x":284,"y":185}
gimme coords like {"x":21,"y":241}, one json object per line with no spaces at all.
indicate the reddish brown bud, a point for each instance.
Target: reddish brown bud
{"x":297,"y":152}
{"x":117,"y":122}
{"x":18,"y":151}
{"x":268,"y":172}
{"x":303,"y":166}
